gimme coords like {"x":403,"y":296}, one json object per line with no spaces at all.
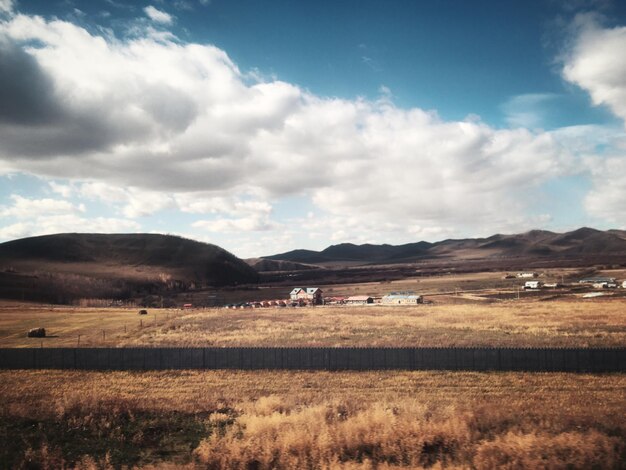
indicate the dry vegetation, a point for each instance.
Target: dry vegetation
{"x":505,"y":324}
{"x":286,"y":420}
{"x":63,"y":324}
{"x":598,"y":323}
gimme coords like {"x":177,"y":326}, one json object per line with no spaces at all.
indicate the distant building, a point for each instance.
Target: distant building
{"x":533,"y":285}
{"x":359,"y":300}
{"x":597,"y":280}
{"x":624,"y":284}
{"x":527,"y":275}
{"x":402,"y":298}
{"x":312,"y":295}
{"x":604,"y":285}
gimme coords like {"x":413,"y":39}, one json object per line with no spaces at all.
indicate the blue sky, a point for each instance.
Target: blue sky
{"x":268,"y":126}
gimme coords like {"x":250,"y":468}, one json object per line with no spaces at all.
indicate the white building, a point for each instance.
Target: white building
{"x":533,"y":285}
{"x":402,"y":298}
{"x":527,"y":275}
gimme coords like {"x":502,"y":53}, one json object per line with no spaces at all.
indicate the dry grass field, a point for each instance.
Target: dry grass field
{"x":307,"y":420}
{"x":593,"y":322}
{"x":319,"y":420}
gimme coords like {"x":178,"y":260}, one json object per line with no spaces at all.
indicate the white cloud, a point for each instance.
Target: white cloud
{"x":527,"y":110}
{"x":199,"y":134}
{"x":158,"y":16}
{"x":45,"y":225}
{"x":14,"y":231}
{"x":607,"y":199}
{"x":207,"y":203}
{"x":252,"y":223}
{"x":133,"y":202}
{"x":6,"y":6}
{"x":64,"y":190}
{"x":24,"y":208}
{"x":46,"y":216}
{"x":245,"y":215}
{"x":597,"y":63}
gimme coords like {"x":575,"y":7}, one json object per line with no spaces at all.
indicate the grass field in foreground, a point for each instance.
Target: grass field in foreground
{"x":220,"y":419}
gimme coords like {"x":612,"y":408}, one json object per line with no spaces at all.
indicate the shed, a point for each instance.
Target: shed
{"x":597,"y":280}
{"x":359,"y":300}
{"x":402,"y":298}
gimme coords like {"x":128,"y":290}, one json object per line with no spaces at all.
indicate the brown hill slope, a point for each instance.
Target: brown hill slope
{"x":115,"y":265}
{"x":533,"y":244}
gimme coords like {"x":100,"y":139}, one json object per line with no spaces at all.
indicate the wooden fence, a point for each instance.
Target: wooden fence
{"x":310,"y":358}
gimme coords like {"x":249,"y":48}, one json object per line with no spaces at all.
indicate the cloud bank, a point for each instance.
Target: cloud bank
{"x":149,"y":122}
{"x":597,"y":64}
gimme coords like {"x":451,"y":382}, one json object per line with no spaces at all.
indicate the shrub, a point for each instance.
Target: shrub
{"x":568,"y":450}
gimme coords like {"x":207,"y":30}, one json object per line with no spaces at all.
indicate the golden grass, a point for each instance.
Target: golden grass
{"x":332,"y":420}
{"x":506,"y":324}
{"x":63,"y":324}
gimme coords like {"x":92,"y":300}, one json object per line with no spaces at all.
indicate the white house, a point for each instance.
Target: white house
{"x":532,"y":285}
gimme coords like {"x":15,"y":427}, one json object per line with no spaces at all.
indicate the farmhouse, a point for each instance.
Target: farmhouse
{"x":533,"y":285}
{"x":311,"y":294}
{"x":359,"y":300}
{"x":402,"y":298}
{"x":527,"y":275}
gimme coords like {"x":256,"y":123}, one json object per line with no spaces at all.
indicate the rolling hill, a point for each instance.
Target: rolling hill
{"x":533,"y":244}
{"x":74,"y":265}
{"x":270,"y":265}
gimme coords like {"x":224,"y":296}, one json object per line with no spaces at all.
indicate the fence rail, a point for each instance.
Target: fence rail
{"x":248,"y":358}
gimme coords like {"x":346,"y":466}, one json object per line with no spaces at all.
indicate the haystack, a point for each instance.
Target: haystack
{"x":37,"y":333}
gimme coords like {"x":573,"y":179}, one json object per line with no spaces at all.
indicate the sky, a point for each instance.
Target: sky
{"x":264,"y":127}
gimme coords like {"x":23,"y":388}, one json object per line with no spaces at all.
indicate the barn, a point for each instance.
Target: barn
{"x":402,"y":298}
{"x":359,"y":300}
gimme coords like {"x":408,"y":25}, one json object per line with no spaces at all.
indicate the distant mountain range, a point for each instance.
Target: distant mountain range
{"x":534,"y":244}
{"x":71,"y":267}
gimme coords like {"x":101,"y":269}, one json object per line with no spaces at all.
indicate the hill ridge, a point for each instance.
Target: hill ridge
{"x":533,"y":243}
{"x":178,"y":257}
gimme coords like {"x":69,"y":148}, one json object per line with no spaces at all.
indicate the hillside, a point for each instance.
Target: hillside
{"x":114,"y":265}
{"x":270,"y":265}
{"x":534,"y":244}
